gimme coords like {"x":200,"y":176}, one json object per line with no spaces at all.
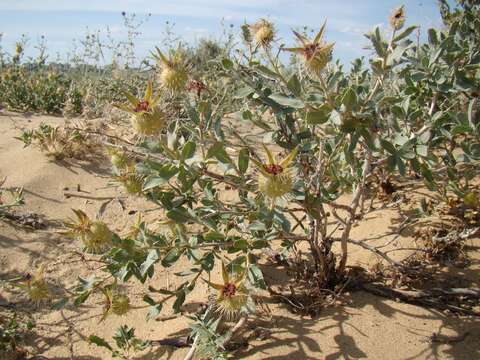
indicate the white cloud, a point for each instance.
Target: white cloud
{"x":311,"y":12}
{"x":347,"y":20}
{"x":115,"y":29}
{"x":355,"y":30}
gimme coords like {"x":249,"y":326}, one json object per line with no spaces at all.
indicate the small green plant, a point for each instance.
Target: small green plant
{"x":13,"y":329}
{"x":328,"y":133}
{"x":126,"y":342}
{"x":59,"y":142}
{"x":15,"y":198}
{"x":244,"y":154}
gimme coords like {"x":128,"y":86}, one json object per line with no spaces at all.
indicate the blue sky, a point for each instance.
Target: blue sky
{"x":61,"y":21}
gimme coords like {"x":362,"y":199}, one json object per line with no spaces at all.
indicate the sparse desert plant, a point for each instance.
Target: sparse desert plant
{"x":60,"y":142}
{"x":126,"y":342}
{"x":15,"y":199}
{"x":13,"y":329}
{"x":328,"y":134}
{"x":173,"y":74}
{"x":245,"y":154}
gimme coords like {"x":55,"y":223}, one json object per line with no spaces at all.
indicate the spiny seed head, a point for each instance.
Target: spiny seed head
{"x":471,"y":200}
{"x":98,"y":238}
{"x":133,"y":185}
{"x":275,"y":180}
{"x":317,"y":58}
{"x":115,"y":302}
{"x":131,"y":181}
{"x":263,"y":33}
{"x":316,"y":53}
{"x":275,"y":186}
{"x":174,"y":79}
{"x":147,"y":116}
{"x":229,"y":306}
{"x":36,"y":286}
{"x":119,"y":158}
{"x":149,"y":122}
{"x":397,"y":18}
{"x":95,"y":235}
{"x":232,"y":294}
{"x":120,"y":304}
{"x":174,"y":74}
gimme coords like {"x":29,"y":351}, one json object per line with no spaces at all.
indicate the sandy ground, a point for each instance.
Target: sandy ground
{"x":365,"y":326}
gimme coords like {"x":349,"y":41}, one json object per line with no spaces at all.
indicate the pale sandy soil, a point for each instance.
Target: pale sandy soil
{"x":365,"y":326}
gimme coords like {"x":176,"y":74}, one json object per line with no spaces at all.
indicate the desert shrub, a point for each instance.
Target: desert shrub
{"x":327,"y":132}
{"x":61,"y":142}
{"x":13,"y":329}
{"x":313,"y":134}
{"x":39,"y":90}
{"x":15,"y":198}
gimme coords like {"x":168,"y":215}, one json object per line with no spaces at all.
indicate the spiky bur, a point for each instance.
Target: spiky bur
{"x":36,"y":287}
{"x":397,"y":18}
{"x":263,"y":33}
{"x":119,"y":158}
{"x":147,"y":117}
{"x":95,"y":235}
{"x":174,"y":73}
{"x":232,"y":295}
{"x":316,"y":54}
{"x":131,"y":182}
{"x":471,"y":200}
{"x":115,"y":303}
{"x":275,"y":179}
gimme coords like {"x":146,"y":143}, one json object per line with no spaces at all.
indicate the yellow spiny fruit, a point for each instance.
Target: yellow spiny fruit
{"x":131,"y":182}
{"x":147,"y":117}
{"x":36,"y":286}
{"x":174,"y":74}
{"x":397,"y":18}
{"x":115,"y":303}
{"x":120,"y":304}
{"x":149,"y":122}
{"x":18,"y":48}
{"x":95,"y":235}
{"x":275,"y":180}
{"x":173,"y":78}
{"x":471,"y":200}
{"x":118,"y":158}
{"x":232,"y":294}
{"x":98,"y":238}
{"x":263,"y":33}
{"x":316,"y":54}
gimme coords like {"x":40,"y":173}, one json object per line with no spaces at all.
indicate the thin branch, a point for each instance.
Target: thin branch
{"x":374,"y":250}
{"x":100,"y":198}
{"x":237,"y":327}
{"x":191,"y":352}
